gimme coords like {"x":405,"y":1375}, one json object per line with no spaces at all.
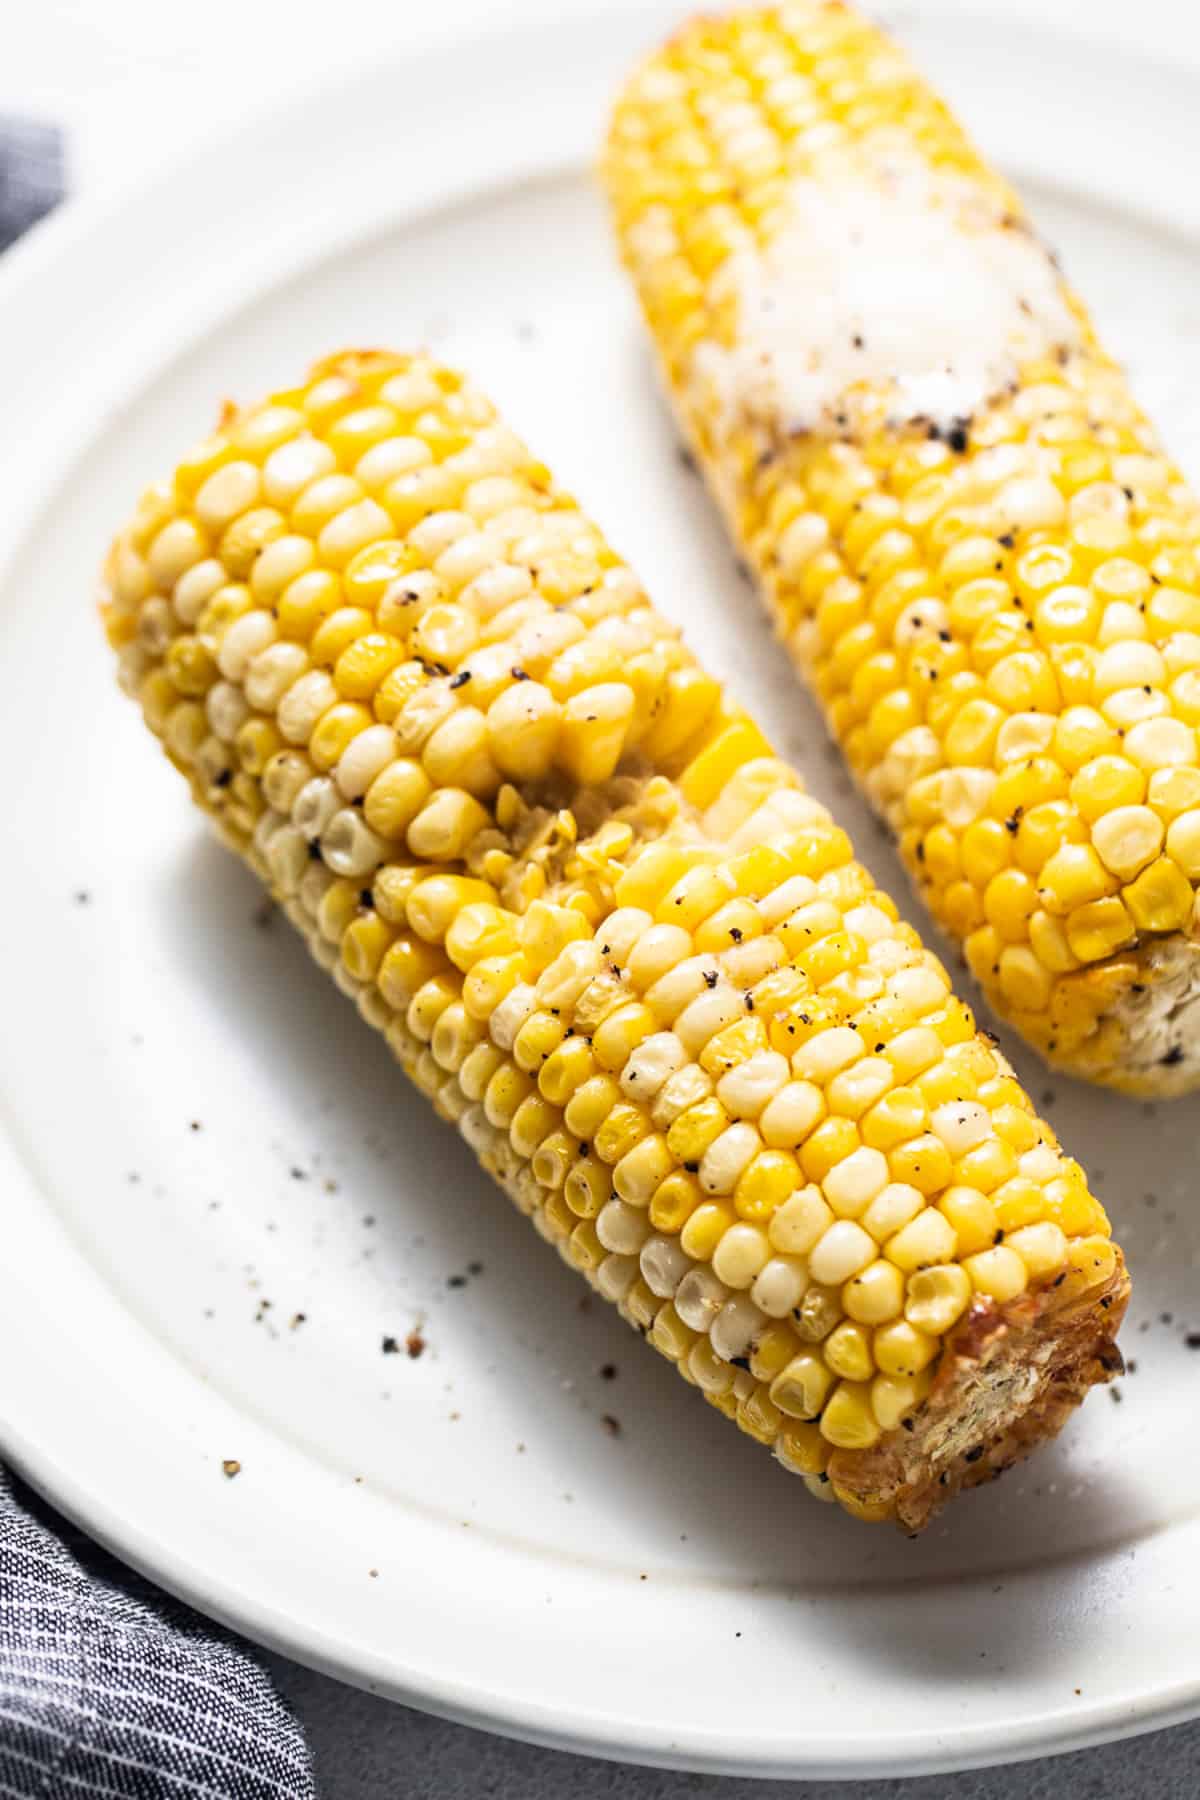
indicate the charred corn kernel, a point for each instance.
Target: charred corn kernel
{"x":998,"y":627}
{"x":666,"y":1008}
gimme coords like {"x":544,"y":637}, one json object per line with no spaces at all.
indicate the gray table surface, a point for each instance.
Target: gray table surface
{"x":368,"y":1749}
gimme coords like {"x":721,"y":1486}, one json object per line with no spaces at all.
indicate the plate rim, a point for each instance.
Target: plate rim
{"x":33,"y":270}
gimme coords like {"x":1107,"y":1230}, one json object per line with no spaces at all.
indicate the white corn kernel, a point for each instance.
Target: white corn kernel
{"x":800,"y":1222}
{"x":780,"y":1285}
{"x":741,"y":1254}
{"x":315,"y":805}
{"x":622,"y":1227}
{"x":842,"y":1250}
{"x":303,"y":705}
{"x":664,"y":1265}
{"x":735,"y":1327}
{"x":245,"y":639}
{"x":727,"y":1156}
{"x":349,"y":845}
{"x":961,"y":1125}
{"x":746,"y":1089}
{"x":655,"y":1060}
{"x":700,"y":1297}
{"x":365,"y":757}
{"x":851,"y":1185}
{"x":826,"y":1053}
{"x":616,"y":1275}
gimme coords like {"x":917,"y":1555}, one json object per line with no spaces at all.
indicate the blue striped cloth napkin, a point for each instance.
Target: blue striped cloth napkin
{"x":107,"y":1687}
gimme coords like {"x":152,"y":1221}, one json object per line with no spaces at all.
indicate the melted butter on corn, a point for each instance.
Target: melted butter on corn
{"x":968,"y":534}
{"x":884,"y":296}
{"x":599,"y":924}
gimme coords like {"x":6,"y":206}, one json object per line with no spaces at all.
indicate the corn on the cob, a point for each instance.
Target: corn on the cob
{"x":966,"y":531}
{"x":602,"y":927}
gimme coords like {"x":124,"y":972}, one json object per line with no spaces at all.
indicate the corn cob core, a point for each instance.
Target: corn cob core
{"x":987,"y":569}
{"x":605,"y":931}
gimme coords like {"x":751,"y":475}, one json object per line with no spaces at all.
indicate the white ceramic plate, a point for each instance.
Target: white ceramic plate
{"x":202,"y":1142}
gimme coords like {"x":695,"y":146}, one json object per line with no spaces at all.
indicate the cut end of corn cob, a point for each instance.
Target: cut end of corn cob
{"x":967,"y":533}
{"x":603,"y":928}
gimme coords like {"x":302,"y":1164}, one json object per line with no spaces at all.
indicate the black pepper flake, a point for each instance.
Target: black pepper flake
{"x":474,"y":1268}
{"x":1007,"y":538}
{"x":956,"y":438}
{"x":999,"y":1237}
{"x":298,"y":1174}
{"x":194,"y":1125}
{"x":389,"y":1346}
{"x":693,"y":1168}
{"x":456,"y":1281}
{"x":608,"y":1372}
{"x":735,"y":933}
{"x":1192,"y":1340}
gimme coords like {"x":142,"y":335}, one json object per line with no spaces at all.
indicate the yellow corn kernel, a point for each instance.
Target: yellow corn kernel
{"x":847,"y":1351}
{"x":675,"y":1200}
{"x":999,"y":1273}
{"x":1161,"y":898}
{"x":901,"y":1349}
{"x":704,"y":1230}
{"x":848,"y":1421}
